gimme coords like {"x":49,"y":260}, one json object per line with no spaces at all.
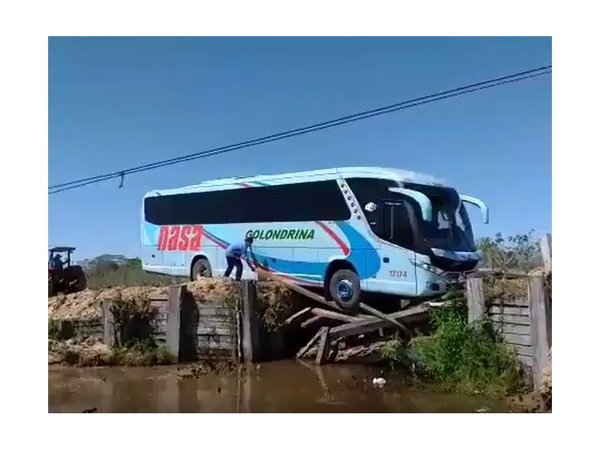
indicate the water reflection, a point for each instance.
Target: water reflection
{"x":285,"y":386}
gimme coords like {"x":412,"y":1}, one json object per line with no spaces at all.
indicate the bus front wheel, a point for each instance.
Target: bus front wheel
{"x":344,"y":288}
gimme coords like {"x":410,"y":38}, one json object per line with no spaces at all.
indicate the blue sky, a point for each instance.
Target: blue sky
{"x":121,"y":102}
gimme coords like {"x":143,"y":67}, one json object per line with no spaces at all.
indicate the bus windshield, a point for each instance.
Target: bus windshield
{"x":450,"y":227}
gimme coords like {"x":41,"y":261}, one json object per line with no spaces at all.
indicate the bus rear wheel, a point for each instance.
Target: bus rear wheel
{"x":201,"y":269}
{"x":344,"y":289}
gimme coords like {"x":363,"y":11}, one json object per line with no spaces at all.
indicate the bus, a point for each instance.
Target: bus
{"x":346,"y":230}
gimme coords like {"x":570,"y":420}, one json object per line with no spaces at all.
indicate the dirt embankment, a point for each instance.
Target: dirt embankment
{"x":274,"y":304}
{"x":275,"y":300}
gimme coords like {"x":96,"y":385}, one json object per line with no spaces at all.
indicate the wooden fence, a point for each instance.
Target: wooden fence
{"x":193,"y":330}
{"x":523,"y":322}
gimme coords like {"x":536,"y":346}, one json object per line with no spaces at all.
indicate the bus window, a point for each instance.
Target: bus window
{"x":297,"y":202}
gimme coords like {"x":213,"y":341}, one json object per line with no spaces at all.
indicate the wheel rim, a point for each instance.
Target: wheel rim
{"x":344,"y":290}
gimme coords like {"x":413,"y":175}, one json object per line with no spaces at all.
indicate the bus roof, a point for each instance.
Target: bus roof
{"x":313,"y":175}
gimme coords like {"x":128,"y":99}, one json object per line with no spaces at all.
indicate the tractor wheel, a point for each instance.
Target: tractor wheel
{"x":81,"y":283}
{"x":50,"y":287}
{"x":74,"y":279}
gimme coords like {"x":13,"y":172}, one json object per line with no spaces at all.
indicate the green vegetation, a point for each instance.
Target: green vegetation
{"x":140,"y":354}
{"x":103,"y":273}
{"x":517,"y":252}
{"x":458,"y":356}
{"x":60,"y":330}
{"x":134,"y":320}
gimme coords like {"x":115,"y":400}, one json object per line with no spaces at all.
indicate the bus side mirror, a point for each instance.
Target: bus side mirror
{"x":482,"y":206}
{"x":422,"y":200}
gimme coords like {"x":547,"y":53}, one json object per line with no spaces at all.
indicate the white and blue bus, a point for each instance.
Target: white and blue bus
{"x":348,"y":230}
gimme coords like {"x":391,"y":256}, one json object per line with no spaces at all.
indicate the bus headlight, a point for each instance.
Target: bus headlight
{"x":429,"y":268}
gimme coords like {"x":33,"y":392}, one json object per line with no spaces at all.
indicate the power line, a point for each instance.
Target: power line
{"x":308,"y":129}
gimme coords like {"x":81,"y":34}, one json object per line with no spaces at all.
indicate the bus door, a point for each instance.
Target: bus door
{"x":398,"y":273}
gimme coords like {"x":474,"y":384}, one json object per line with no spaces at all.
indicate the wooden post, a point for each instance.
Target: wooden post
{"x":540,"y":329}
{"x":546,"y":247}
{"x":475,"y":299}
{"x":250,"y":338}
{"x":310,"y":343}
{"x":174,"y":319}
{"x":108,"y":324}
{"x":324,"y":346}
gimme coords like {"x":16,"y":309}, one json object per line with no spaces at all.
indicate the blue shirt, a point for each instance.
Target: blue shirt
{"x":237,"y":250}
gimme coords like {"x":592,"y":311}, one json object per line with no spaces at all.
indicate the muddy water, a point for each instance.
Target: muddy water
{"x":285,"y":386}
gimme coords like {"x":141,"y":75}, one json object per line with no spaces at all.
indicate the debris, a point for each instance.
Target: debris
{"x":379,"y":382}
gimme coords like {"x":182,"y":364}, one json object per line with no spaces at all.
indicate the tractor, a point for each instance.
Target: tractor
{"x":63,"y":276}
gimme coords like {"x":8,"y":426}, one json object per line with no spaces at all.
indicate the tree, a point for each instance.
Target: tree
{"x":517,"y":252}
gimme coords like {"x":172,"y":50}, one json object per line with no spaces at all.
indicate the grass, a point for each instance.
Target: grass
{"x":106,"y":275}
{"x":140,"y":355}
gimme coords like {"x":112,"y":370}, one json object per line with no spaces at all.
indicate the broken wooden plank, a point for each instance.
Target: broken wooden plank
{"x":297,"y":315}
{"x":364,"y":326}
{"x":311,"y":321}
{"x":310,"y":343}
{"x":385,"y":317}
{"x":436,"y":304}
{"x":324,"y":346}
{"x":299,"y":289}
{"x":334,"y":315}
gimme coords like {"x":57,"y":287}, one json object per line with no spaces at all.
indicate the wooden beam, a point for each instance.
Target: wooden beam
{"x":541,"y":330}
{"x":334,"y":315}
{"x":483,"y":272}
{"x":309,"y":322}
{"x":546,"y":247}
{"x":512,"y":310}
{"x":299,"y":289}
{"x":367,"y":325}
{"x":475,"y":299}
{"x":310,"y":343}
{"x":513,"y":319}
{"x":176,"y":296}
{"x":250,"y":335}
{"x":324,"y":346}
{"x":297,"y":315}
{"x":385,"y":317}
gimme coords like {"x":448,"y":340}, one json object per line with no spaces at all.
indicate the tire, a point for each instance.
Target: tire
{"x":50,"y":287}
{"x":74,"y":279}
{"x":201,"y":269}
{"x":344,"y":289}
